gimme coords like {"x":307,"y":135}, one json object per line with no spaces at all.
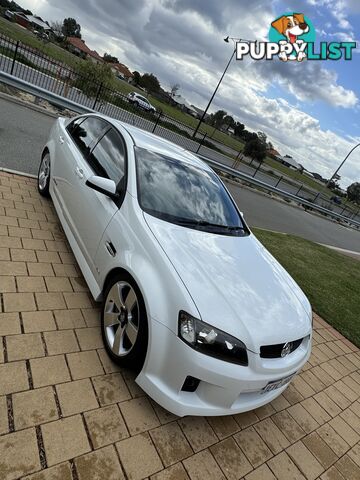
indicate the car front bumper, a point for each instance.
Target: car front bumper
{"x":224,"y":388}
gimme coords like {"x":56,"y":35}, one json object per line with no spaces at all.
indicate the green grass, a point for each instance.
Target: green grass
{"x":16,"y":32}
{"x":295,"y":175}
{"x":329,"y":279}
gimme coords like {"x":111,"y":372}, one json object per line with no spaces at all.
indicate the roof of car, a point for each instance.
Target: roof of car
{"x":144,"y":139}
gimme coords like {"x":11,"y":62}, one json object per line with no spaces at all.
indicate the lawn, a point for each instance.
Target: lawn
{"x":16,"y":32}
{"x":330,"y":280}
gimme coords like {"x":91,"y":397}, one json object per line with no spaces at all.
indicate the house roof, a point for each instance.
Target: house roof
{"x":182,"y":101}
{"x":38,"y":21}
{"x":274,"y":152}
{"x":123,"y":69}
{"x":80,"y":44}
{"x":33,"y":19}
{"x":290,"y":161}
{"x":94,"y":53}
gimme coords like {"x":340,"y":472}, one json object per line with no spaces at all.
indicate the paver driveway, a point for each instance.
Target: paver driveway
{"x":67,"y":412}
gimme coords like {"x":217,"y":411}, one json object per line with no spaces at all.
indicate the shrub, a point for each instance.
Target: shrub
{"x":89,"y":77}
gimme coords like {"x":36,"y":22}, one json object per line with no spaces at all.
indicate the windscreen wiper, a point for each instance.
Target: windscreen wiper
{"x":204,"y":223}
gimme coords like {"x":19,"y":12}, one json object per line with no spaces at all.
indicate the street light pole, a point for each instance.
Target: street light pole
{"x":235,"y":40}
{"x":341,"y":164}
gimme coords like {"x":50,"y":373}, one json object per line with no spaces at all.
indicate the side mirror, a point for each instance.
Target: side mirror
{"x":103,"y":185}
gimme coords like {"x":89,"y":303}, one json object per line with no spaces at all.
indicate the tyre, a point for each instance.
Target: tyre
{"x":124,"y":322}
{"x":44,"y":175}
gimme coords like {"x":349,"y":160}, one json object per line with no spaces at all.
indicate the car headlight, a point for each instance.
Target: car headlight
{"x":211,"y":341}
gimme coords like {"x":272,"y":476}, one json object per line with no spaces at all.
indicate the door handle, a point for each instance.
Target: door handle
{"x":61,"y":139}
{"x":79,"y":172}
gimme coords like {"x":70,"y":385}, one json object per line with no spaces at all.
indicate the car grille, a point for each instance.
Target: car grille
{"x":274,"y":351}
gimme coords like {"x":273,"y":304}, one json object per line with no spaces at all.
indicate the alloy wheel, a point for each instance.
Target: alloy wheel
{"x":44,"y":172}
{"x":121,"y":318}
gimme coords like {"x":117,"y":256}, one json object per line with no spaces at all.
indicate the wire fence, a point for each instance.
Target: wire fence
{"x":43,"y":71}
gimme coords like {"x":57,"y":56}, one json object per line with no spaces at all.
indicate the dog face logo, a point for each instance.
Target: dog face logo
{"x":290,"y":27}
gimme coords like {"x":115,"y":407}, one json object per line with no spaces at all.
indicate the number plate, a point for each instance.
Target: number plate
{"x":277,"y":383}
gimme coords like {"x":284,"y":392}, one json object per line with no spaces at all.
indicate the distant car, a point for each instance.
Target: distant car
{"x":41,"y":35}
{"x":336,"y":200}
{"x":140,"y":102}
{"x":9,"y":15}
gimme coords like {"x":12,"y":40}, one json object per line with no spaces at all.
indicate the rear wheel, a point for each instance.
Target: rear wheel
{"x":124,"y":323}
{"x":44,"y":176}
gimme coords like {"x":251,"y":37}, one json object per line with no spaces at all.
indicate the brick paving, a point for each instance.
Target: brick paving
{"x":68,"y":413}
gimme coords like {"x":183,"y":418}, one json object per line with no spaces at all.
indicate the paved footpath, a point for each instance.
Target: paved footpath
{"x":68,"y":413}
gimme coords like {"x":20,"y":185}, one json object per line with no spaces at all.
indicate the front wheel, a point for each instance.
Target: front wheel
{"x":124,"y":322}
{"x":44,"y":176}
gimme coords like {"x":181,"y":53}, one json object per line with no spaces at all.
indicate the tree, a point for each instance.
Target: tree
{"x":136,"y":77}
{"x":262,"y":137}
{"x":174,"y":90}
{"x":238,"y":129}
{"x":57,"y":28}
{"x":71,"y":28}
{"x":150,"y":83}
{"x":89,"y":78}
{"x":353,"y":192}
{"x":255,"y":149}
{"x":14,"y":7}
{"x":333,"y":185}
{"x":247,"y":136}
{"x":110,"y":59}
{"x":217,"y":119}
{"x":229,"y":122}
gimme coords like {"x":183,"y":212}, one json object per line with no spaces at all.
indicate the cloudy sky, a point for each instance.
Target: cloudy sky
{"x":309,"y":110}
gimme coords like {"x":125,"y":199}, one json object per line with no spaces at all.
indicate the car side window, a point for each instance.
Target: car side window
{"x":108,"y":157}
{"x":87,"y":132}
{"x":74,"y":124}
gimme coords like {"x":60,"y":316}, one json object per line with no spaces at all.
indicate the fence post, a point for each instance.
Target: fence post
{"x":14,"y":59}
{"x":156,"y":122}
{"x":277,"y":183}
{"x":97,"y":96}
{"x":200,"y":144}
{"x":257,"y":169}
{"x":317,"y":196}
{"x":356,"y":214}
{"x":297,"y":193}
{"x":237,"y":160}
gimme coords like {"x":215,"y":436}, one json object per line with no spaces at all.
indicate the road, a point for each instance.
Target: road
{"x":23,"y":133}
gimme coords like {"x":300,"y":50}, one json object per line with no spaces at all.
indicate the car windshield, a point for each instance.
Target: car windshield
{"x":184,"y":194}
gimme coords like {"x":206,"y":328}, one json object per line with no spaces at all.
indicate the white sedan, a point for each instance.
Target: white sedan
{"x":209,"y":319}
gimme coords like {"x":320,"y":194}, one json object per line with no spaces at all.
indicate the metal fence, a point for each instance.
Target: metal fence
{"x":40,"y":70}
